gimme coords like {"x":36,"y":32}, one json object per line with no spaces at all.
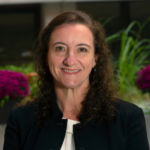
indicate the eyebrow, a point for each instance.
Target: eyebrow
{"x":59,"y":43}
{"x":82,"y":44}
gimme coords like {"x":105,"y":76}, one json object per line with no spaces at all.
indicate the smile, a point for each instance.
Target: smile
{"x":70,"y":71}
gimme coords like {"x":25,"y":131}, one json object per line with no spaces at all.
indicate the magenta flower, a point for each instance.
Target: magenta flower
{"x":143,"y":80}
{"x":13,"y":84}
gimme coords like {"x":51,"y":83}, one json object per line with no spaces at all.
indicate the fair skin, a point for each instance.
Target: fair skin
{"x":71,"y":59}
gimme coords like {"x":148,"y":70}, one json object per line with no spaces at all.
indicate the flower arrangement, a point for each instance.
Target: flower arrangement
{"x":29,"y":72}
{"x":13,"y":86}
{"x":143,"y":80}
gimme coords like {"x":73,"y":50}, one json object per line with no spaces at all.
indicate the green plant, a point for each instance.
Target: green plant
{"x":105,"y":21}
{"x":112,"y":38}
{"x":134,"y":52}
{"x":24,"y":68}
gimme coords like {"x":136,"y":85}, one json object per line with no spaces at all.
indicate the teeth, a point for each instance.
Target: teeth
{"x":70,"y":71}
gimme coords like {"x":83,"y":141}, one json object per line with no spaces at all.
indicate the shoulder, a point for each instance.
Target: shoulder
{"x":20,"y":122}
{"x":130,"y":122}
{"x":128,"y":111}
{"x":23,"y":114}
{"x":126,"y":107}
{"x":24,"y":110}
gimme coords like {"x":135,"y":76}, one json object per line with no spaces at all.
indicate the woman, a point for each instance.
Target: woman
{"x":76,"y":108}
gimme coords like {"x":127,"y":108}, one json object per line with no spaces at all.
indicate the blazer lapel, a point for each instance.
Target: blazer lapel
{"x":52,"y":133}
{"x":51,"y":137}
{"x":92,"y":137}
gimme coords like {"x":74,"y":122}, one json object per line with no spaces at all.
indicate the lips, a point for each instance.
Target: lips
{"x":70,"y":70}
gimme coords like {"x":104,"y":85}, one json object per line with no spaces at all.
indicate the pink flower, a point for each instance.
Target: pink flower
{"x":13,"y":84}
{"x":143,"y":80}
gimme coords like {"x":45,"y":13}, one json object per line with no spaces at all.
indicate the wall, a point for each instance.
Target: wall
{"x":50,"y":10}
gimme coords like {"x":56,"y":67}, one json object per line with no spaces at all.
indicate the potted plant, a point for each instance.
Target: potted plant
{"x":13,"y":88}
{"x":134,"y":53}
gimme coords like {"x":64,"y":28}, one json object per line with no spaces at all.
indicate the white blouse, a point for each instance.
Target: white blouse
{"x":68,"y":143}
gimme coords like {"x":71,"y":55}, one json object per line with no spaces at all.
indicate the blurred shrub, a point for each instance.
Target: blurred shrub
{"x":23,"y":68}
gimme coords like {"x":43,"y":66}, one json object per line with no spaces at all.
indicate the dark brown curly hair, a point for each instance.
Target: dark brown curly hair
{"x":100,"y":99}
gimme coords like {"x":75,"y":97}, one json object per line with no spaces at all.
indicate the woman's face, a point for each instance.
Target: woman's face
{"x":71,"y":55}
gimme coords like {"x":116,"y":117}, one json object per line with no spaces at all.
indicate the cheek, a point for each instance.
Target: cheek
{"x":89,"y":63}
{"x":52,"y":60}
{"x":54,"y":63}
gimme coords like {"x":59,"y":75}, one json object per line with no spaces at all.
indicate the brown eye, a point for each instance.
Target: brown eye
{"x":83,"y":50}
{"x":59,"y":48}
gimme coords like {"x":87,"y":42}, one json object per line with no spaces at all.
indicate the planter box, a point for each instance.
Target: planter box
{"x":5,"y":110}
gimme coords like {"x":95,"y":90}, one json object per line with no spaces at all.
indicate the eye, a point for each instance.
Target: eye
{"x":82,"y":49}
{"x":60,"y":48}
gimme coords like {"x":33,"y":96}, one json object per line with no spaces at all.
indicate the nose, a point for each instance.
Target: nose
{"x":70,"y":59}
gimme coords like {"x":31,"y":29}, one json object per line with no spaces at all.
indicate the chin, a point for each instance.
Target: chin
{"x":70,"y":85}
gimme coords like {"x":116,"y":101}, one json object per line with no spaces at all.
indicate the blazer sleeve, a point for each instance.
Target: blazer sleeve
{"x":137,"y":135}
{"x":11,"y":138}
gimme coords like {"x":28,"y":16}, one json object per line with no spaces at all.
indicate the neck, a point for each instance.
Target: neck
{"x":69,"y":101}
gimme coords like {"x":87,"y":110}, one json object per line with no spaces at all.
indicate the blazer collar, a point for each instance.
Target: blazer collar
{"x":57,"y":113}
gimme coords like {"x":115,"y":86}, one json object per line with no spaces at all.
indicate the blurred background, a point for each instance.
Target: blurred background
{"x":21,"y":21}
{"x":127,"y":25}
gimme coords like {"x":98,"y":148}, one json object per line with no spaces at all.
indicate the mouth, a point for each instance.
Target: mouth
{"x":70,"y":70}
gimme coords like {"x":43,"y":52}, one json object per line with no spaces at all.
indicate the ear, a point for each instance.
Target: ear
{"x":95,"y":60}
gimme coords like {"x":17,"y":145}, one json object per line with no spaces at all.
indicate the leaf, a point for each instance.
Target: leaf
{"x":113,"y":38}
{"x":131,"y":25}
{"x":129,"y":44}
{"x":145,"y":22}
{"x":107,"y":21}
{"x":2,"y":102}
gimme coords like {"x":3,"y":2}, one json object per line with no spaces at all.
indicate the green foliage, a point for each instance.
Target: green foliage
{"x":33,"y":86}
{"x":105,"y":21}
{"x":134,"y":52}
{"x":112,"y":38}
{"x":2,"y":101}
{"x":23,"y":68}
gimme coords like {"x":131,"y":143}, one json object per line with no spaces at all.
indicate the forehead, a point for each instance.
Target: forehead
{"x":72,"y":32}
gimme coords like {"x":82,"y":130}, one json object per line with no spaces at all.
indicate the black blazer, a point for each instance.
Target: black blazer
{"x":126,"y":132}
